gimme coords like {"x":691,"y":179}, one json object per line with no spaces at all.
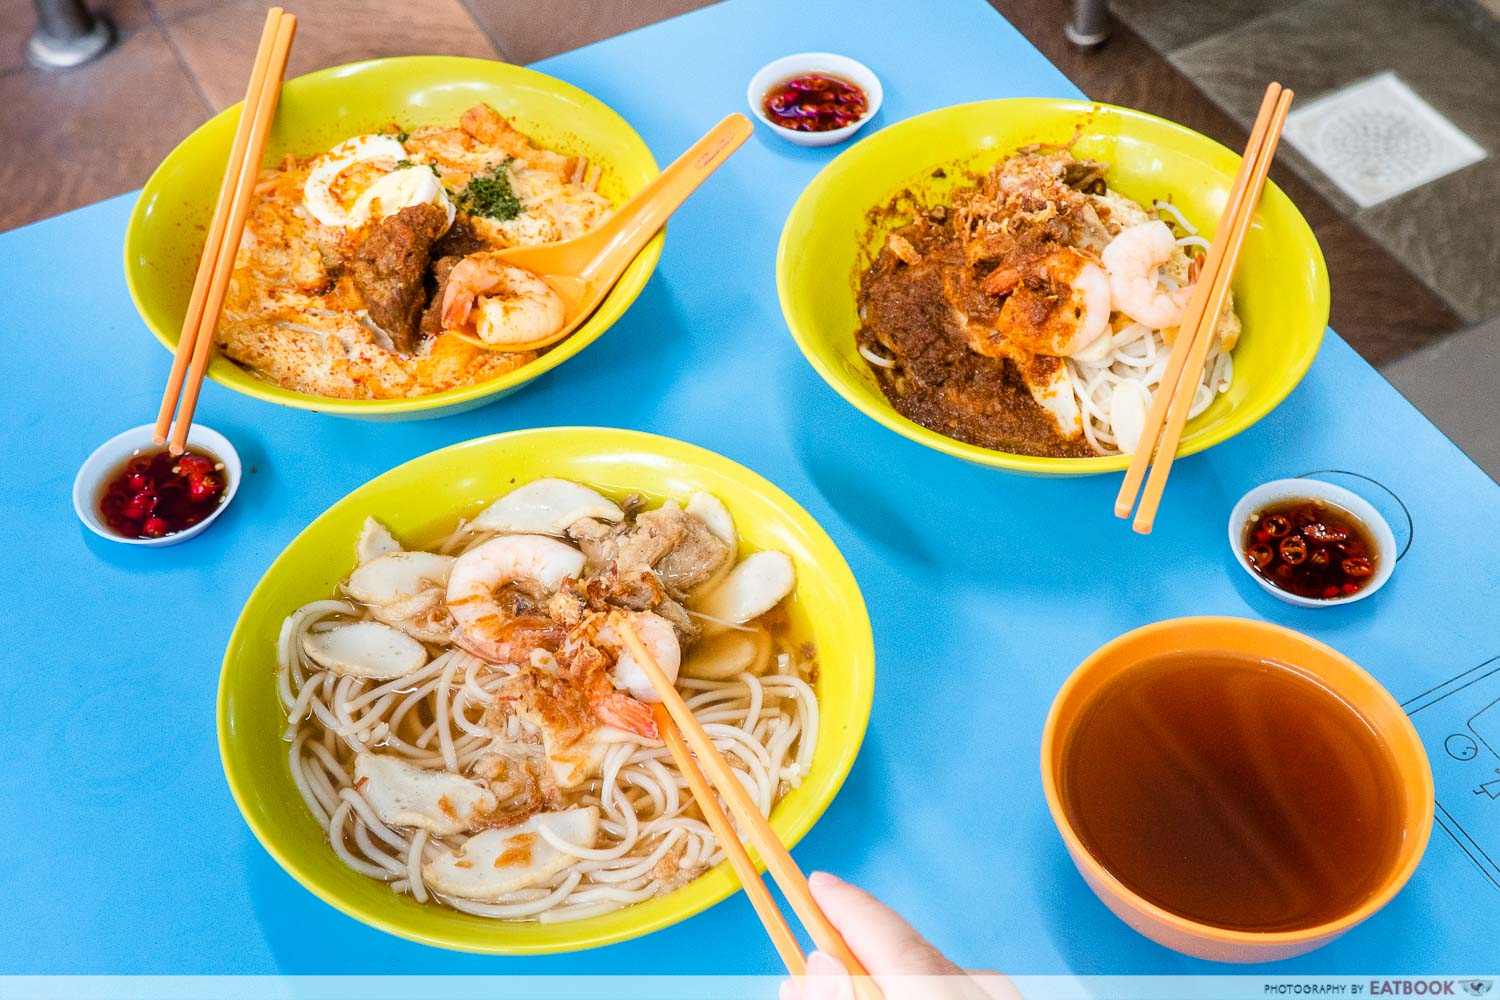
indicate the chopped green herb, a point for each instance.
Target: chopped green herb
{"x":402,"y":136}
{"x":491,"y":195}
{"x":402,"y":164}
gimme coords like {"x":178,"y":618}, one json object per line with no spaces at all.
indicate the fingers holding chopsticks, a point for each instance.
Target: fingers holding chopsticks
{"x":902,"y":962}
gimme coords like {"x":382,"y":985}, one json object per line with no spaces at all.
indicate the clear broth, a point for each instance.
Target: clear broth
{"x":1233,"y":791}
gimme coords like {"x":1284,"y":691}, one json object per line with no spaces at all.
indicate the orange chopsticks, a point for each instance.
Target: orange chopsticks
{"x":1174,"y":397}
{"x":195,"y":343}
{"x":682,"y":732}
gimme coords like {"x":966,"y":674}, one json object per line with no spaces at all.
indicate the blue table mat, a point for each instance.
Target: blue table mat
{"x":125,"y":853}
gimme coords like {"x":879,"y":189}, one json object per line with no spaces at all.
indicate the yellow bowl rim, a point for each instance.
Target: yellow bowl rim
{"x":620,"y":297}
{"x":843,"y":762}
{"x":1036,"y":464}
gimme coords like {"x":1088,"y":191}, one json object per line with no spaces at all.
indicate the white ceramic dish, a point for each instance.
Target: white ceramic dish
{"x":108,"y":457}
{"x":1314,"y":489}
{"x":787,"y":67}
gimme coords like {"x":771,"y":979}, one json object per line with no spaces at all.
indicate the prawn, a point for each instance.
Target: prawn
{"x":1060,"y":306}
{"x":1132,"y":259}
{"x":515,"y":308}
{"x":496,"y":593}
{"x":660,"y":640}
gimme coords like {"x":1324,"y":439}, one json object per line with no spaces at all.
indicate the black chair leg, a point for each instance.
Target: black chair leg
{"x":67,"y":34}
{"x":1089,"y":26}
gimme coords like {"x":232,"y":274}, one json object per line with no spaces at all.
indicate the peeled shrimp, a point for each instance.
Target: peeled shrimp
{"x":1066,"y":314}
{"x":496,"y":591}
{"x":660,"y":640}
{"x":514,"y":307}
{"x":1132,"y":259}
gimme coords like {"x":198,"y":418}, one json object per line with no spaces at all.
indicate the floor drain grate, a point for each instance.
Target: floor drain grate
{"x":1376,"y":139}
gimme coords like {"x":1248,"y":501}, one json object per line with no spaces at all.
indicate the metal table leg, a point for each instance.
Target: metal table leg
{"x":1089,"y":25}
{"x":67,"y":34}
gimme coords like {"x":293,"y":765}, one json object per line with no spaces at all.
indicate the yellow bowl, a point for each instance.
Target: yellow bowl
{"x":166,"y":230}
{"x":1281,"y":286}
{"x":423,"y":498}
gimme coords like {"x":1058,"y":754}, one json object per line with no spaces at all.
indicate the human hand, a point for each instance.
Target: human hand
{"x":901,"y":961}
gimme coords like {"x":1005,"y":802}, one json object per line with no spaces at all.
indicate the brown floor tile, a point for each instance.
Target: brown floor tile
{"x":218,"y":44}
{"x":1378,"y":305}
{"x":18,"y":18}
{"x":75,"y":137}
{"x":172,"y":10}
{"x":1171,"y":24}
{"x":526,"y":34}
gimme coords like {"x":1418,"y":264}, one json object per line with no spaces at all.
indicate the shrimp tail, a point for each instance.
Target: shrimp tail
{"x":624,"y":712}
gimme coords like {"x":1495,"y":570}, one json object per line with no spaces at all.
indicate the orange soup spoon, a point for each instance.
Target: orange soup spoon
{"x":583,"y":270}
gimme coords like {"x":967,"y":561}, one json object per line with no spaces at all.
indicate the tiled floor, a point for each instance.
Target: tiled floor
{"x":1446,"y":232}
{"x":178,"y":61}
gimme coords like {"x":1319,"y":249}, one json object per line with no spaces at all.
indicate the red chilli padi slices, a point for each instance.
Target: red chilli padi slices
{"x":1310,"y":548}
{"x":154,"y":494}
{"x":815,"y":102}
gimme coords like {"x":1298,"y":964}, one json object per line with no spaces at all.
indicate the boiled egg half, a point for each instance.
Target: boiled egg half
{"x":359,"y":180}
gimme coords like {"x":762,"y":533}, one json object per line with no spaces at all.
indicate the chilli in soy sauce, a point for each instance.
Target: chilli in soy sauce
{"x":1310,"y":548}
{"x":815,"y":102}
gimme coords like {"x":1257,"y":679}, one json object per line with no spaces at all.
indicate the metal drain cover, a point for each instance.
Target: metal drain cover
{"x":1376,"y":139}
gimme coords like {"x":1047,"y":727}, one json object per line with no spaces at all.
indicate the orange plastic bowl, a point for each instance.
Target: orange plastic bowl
{"x":1262,"y":640}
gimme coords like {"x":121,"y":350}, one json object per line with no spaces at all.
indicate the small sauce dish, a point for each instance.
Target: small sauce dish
{"x":787,"y":68}
{"x":1347,"y":504}
{"x":109,"y":458}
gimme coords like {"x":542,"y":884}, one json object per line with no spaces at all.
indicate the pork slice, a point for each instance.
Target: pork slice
{"x":389,"y":268}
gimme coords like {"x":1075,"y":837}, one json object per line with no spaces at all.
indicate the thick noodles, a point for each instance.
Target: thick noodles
{"x":651,"y":836}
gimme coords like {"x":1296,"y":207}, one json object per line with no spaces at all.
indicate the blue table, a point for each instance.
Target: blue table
{"x":125,"y":854}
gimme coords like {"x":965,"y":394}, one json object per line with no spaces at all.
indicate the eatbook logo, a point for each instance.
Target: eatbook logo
{"x":1476,"y":987}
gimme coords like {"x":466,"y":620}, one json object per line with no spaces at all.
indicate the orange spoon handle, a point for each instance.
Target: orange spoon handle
{"x":649,"y":210}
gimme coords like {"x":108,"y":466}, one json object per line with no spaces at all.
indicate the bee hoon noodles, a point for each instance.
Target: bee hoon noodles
{"x":465,"y":726}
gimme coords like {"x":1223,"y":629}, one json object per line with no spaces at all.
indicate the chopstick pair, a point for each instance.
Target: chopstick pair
{"x":694,"y":752}
{"x":1169,"y":408}
{"x":195,"y":343}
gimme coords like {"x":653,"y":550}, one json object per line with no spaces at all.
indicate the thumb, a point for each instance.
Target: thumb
{"x":883,"y":942}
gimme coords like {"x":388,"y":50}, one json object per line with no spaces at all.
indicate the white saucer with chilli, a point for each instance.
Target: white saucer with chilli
{"x":107,"y":460}
{"x":828,"y":63}
{"x":1284,"y":490}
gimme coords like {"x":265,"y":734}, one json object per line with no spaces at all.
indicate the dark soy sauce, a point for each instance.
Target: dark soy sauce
{"x":1233,"y":791}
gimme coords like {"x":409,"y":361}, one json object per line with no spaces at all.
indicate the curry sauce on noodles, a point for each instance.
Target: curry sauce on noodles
{"x":340,"y":280}
{"x":1033,"y":309}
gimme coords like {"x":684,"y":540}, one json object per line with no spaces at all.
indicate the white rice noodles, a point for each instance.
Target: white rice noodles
{"x":650,"y":837}
{"x":1138,"y":355}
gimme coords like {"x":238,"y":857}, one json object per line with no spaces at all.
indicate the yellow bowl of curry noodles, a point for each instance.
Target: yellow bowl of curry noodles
{"x":999,"y":281}
{"x":320,"y":314}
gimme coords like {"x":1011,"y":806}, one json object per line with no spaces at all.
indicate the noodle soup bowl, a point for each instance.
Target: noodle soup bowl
{"x":835,"y":230}
{"x":167,"y":227}
{"x":422,"y":500}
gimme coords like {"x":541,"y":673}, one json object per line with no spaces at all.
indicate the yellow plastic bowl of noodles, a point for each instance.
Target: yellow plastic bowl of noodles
{"x":1280,"y":286}
{"x":165,"y":234}
{"x":422,"y":500}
